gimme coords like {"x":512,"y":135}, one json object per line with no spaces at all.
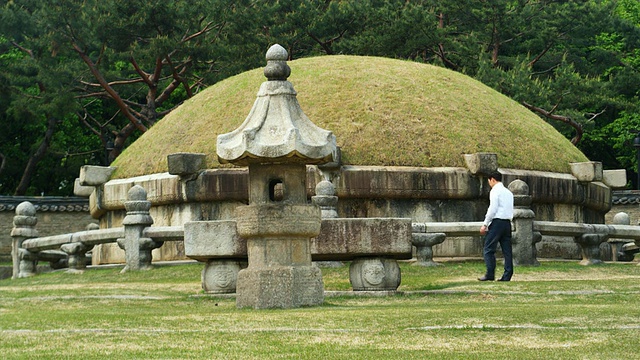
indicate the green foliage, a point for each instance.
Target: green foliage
{"x":579,"y":58}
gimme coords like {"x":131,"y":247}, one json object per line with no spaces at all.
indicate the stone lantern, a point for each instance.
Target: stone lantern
{"x":276,"y":142}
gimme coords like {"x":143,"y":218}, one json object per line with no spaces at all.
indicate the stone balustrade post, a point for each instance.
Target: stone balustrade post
{"x":590,"y":246}
{"x":424,"y":243}
{"x":618,"y":245}
{"x":77,"y":252}
{"x":326,"y":200}
{"x":24,"y":227}
{"x":523,"y":237}
{"x":137,"y":248}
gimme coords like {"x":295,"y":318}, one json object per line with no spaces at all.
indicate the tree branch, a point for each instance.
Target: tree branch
{"x":204,"y":30}
{"x":120,"y":82}
{"x":143,"y":75}
{"x":23,"y":49}
{"x":564,"y":119}
{"x":112,"y":93}
{"x":3,"y":161}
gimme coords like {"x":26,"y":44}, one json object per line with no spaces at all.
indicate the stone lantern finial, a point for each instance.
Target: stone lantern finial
{"x":277,"y":68}
{"x":276,"y":130}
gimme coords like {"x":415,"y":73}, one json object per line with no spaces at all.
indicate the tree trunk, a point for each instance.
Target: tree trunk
{"x":35,"y":158}
{"x":120,"y":138}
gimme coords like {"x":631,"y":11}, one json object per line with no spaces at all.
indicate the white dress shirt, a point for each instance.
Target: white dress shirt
{"x":500,"y":204}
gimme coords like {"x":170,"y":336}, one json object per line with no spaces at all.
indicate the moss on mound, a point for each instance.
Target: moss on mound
{"x":382,"y":111}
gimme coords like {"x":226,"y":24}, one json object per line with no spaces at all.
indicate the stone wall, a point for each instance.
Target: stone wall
{"x":56,"y":215}
{"x":422,"y":194}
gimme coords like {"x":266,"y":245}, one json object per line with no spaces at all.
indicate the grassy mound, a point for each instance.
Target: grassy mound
{"x":383,"y":112}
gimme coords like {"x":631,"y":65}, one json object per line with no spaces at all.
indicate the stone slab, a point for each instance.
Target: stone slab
{"x":204,"y":240}
{"x":349,"y":238}
{"x":481,"y":163}
{"x":185,"y":163}
{"x":80,"y":190}
{"x":615,"y":178}
{"x":587,"y":171}
{"x":91,"y":175}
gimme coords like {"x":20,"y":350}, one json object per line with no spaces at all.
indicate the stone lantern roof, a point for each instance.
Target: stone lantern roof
{"x":277,"y":130}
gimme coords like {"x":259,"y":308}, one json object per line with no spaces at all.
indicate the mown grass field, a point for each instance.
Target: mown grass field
{"x":559,"y":310}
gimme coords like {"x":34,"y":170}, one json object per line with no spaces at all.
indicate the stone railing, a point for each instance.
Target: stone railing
{"x":588,"y":236}
{"x":373,"y":242}
{"x":136,"y":237}
{"x":526,"y":233}
{"x":372,"y":245}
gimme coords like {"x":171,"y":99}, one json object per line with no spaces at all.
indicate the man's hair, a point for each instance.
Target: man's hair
{"x":496,"y":175}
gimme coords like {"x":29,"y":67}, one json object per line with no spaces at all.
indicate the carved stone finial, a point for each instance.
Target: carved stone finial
{"x":137,"y":193}
{"x":137,"y":207}
{"x":622,"y":218}
{"x":521,"y":194}
{"x":519,"y":187}
{"x":25,"y":220}
{"x":26,"y":209}
{"x":277,"y":68}
{"x":325,"y":188}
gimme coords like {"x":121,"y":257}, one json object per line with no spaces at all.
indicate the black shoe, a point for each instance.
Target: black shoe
{"x":485,"y":278}
{"x":503,"y":279}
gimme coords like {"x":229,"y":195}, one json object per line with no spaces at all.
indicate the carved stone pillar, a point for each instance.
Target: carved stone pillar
{"x":523,"y":237}
{"x":77,"y":253}
{"x":374,"y":274}
{"x":24,"y":227}
{"x":221,"y":276}
{"x":137,"y":248}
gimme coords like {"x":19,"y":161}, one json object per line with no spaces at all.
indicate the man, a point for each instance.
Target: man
{"x":497,"y":227}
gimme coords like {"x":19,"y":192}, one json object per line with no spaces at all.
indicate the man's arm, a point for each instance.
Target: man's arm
{"x":491,"y":211}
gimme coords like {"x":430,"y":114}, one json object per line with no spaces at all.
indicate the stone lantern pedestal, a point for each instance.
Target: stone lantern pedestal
{"x":280,"y":272}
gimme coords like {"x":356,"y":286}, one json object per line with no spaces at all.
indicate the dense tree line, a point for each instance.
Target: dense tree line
{"x":82,"y":79}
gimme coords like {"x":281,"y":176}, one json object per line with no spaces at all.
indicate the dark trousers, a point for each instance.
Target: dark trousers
{"x":499,"y":232}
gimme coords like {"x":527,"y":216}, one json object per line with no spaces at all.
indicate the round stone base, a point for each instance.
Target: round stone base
{"x":374,"y":274}
{"x":220,"y":276}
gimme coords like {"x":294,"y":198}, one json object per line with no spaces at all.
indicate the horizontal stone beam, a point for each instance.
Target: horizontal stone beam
{"x":51,"y":255}
{"x":88,"y":237}
{"x":164,"y":233}
{"x":46,"y":242}
{"x":575,"y":229}
{"x":95,"y":237}
{"x":339,"y":239}
{"x":451,"y":229}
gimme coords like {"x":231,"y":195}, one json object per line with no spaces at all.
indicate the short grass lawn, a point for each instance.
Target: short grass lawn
{"x":559,"y":310}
